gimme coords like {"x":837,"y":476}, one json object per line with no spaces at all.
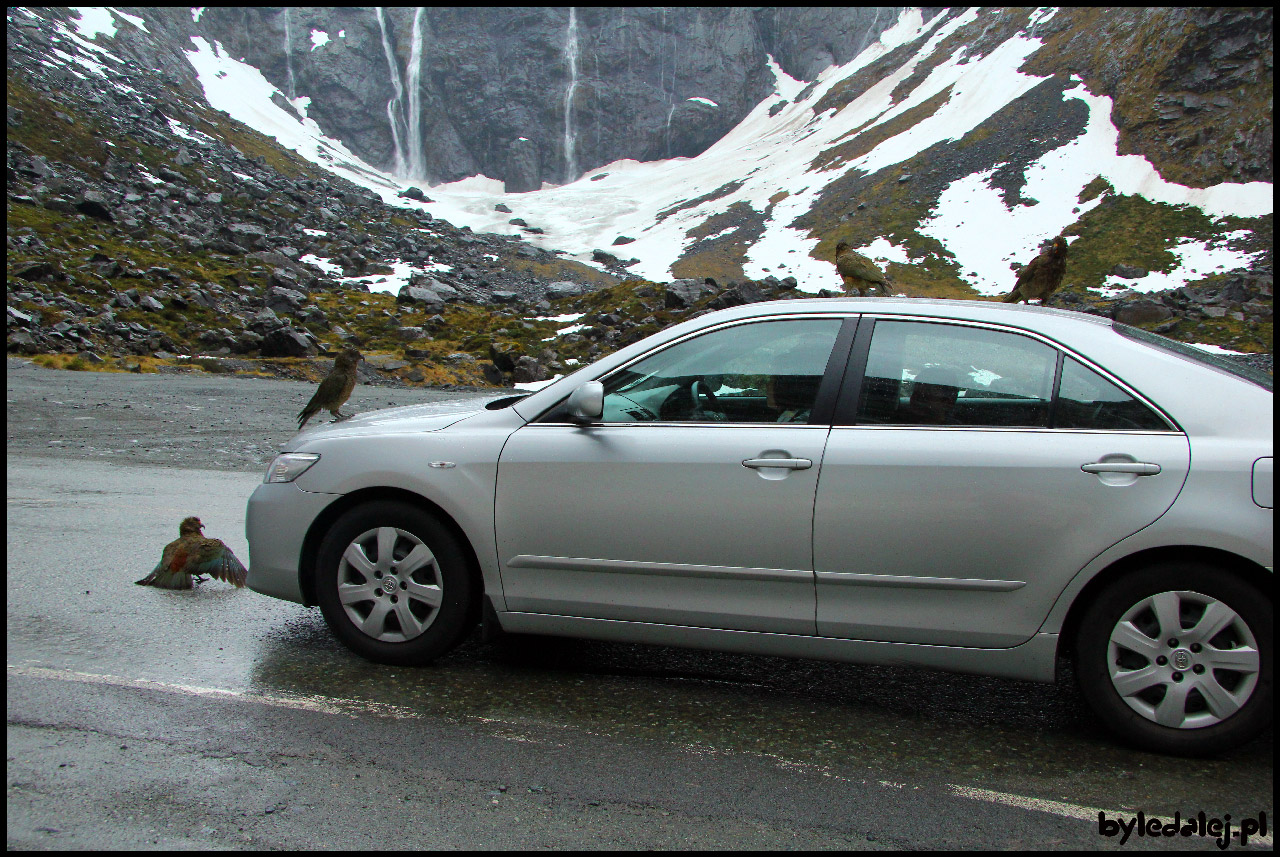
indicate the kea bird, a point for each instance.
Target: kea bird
{"x":859,"y":272}
{"x":1042,"y":275}
{"x":193,"y":555}
{"x":335,"y":389}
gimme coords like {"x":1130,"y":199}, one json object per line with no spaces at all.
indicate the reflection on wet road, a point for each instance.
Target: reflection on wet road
{"x":79,"y":536}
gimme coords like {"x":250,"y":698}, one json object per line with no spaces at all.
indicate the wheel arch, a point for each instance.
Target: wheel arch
{"x":1245,"y":569}
{"x":320,"y":527}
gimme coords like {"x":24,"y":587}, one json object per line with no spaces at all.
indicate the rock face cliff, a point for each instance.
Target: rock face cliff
{"x":537,"y":94}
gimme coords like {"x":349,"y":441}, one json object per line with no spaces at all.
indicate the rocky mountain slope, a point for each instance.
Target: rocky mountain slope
{"x":145,"y":225}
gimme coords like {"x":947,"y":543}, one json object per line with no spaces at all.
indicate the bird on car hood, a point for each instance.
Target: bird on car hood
{"x":193,"y":555}
{"x":335,"y":389}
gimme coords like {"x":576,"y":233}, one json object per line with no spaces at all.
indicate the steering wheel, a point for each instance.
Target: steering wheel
{"x":700,"y":392}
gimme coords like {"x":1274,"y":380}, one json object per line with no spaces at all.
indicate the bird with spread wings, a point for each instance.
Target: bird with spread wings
{"x":191,"y":556}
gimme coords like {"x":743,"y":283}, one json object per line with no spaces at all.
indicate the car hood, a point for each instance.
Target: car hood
{"x":408,"y":418}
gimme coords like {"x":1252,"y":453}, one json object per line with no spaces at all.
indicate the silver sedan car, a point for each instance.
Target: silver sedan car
{"x":963,"y":485}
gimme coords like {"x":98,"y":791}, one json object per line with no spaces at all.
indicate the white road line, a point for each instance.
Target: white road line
{"x":1067,"y":810}
{"x":323,"y":704}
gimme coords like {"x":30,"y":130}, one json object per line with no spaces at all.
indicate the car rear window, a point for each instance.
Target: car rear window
{"x":1197,"y":355}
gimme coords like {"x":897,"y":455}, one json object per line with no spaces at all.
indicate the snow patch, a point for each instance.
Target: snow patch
{"x":94,"y":20}
{"x":132,"y":19}
{"x":1196,"y":260}
{"x":323,"y":264}
{"x":1213,"y":349}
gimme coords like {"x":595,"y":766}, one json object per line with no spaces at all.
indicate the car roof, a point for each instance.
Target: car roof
{"x":935,"y":307}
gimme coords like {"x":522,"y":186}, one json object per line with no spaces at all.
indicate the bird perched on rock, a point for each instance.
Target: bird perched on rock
{"x":335,"y":389}
{"x":193,"y":555}
{"x":859,"y":272}
{"x":1042,"y":275}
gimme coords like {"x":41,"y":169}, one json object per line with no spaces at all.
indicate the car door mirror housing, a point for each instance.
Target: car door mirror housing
{"x":586,"y":404}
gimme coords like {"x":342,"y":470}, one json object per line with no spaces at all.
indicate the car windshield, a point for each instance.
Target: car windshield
{"x":1198,"y":355}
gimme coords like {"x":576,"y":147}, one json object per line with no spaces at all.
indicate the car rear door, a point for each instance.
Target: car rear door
{"x":958,"y":496}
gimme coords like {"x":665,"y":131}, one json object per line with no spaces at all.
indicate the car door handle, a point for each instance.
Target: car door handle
{"x":786,"y":463}
{"x":1138,"y":468}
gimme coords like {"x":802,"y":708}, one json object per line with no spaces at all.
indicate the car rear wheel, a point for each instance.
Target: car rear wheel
{"x":393,"y":584}
{"x":1177,"y":658}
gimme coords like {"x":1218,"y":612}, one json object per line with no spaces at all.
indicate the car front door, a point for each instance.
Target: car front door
{"x":958,"y":496}
{"x":691,"y":501}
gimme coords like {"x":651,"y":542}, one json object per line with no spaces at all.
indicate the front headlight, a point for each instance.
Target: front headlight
{"x":288,"y":466}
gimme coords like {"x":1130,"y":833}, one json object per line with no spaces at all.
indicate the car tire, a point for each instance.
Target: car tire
{"x":394,"y":584}
{"x":1177,"y":658}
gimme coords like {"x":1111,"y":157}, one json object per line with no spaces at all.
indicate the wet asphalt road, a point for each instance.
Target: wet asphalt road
{"x":221,"y":718}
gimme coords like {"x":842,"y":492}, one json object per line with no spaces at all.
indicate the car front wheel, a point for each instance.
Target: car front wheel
{"x":393,"y":584}
{"x":1177,"y":659}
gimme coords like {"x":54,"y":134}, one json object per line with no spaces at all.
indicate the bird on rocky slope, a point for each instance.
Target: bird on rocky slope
{"x":192,"y":555}
{"x":1042,"y":275}
{"x":335,"y":389}
{"x":859,"y":272}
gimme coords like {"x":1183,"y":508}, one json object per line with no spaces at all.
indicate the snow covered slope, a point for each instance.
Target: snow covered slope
{"x":770,"y":170}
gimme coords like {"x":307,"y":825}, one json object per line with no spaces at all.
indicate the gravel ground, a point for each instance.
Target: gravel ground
{"x":222,"y":422}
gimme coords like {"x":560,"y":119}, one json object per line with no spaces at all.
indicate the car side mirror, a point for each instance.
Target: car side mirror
{"x":586,"y":404}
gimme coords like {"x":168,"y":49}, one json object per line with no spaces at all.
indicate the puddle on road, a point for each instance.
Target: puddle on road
{"x":865,"y":722}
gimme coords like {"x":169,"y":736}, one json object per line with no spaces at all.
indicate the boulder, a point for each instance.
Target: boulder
{"x":284,"y":300}
{"x":1142,"y":311}
{"x":528,"y":370}
{"x":249,"y":236}
{"x":35,"y":272}
{"x":429,"y":298}
{"x":563,"y":289}
{"x":682,"y":294}
{"x":1129,"y":272}
{"x":94,"y":204}
{"x":287,"y":342}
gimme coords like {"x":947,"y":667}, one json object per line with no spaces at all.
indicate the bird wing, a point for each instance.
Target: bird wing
{"x":212,"y":557}
{"x":169,"y":573}
{"x":1026,"y":274}
{"x":329,"y":388}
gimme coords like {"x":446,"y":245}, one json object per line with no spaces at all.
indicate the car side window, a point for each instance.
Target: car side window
{"x":925,"y":373}
{"x":760,"y":372}
{"x":1086,"y":400}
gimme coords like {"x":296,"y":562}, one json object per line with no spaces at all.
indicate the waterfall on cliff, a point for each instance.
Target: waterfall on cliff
{"x":870,"y":33}
{"x":288,"y":52}
{"x":668,"y":137}
{"x":662,"y":83}
{"x":570,"y":139}
{"x":394,"y":105}
{"x":417,"y":169}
